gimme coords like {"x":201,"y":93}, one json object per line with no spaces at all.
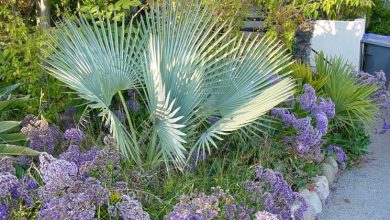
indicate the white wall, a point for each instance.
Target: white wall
{"x":339,"y":38}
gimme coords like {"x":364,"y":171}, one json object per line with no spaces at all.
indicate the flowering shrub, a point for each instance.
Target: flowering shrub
{"x":40,"y":135}
{"x":280,"y":198}
{"x":74,"y":186}
{"x":341,"y":156}
{"x":381,"y":95}
{"x":269,"y":189}
{"x":307,"y":140}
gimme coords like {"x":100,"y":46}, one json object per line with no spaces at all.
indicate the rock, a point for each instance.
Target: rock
{"x":320,"y":157}
{"x":322,"y":187}
{"x":331,"y":161}
{"x":312,"y":199}
{"x":329,"y":171}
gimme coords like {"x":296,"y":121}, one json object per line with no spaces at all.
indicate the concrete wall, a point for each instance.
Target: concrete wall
{"x":339,"y":38}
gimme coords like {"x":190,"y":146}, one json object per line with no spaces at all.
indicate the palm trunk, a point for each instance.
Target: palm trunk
{"x":303,"y":36}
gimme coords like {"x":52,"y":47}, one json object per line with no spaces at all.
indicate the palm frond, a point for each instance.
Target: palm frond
{"x":97,"y":64}
{"x":248,"y":90}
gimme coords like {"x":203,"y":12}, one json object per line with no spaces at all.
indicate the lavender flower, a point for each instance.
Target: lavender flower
{"x":264,"y":215}
{"x":322,"y":122}
{"x":341,"y":156}
{"x":129,"y":209}
{"x":6,"y":165}
{"x":3,"y":210}
{"x":74,"y":155}
{"x":381,"y":96}
{"x":105,"y":165}
{"x":133,"y":105}
{"x":237,"y":211}
{"x":56,"y":208}
{"x":254,"y":189}
{"x":288,"y":118}
{"x":385,"y":127}
{"x":195,"y":206}
{"x":307,"y":141}
{"x":57,"y":174}
{"x":74,"y":136}
{"x":40,"y":135}
{"x":279,"y":199}
{"x":327,"y":107}
{"x":29,"y":119}
{"x":308,"y":99}
{"x":7,"y":183}
{"x":120,"y":114}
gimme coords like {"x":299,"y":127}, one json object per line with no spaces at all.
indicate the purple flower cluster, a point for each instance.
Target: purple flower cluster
{"x":264,"y":215}
{"x":381,"y":96}
{"x":6,"y":165}
{"x":74,"y":135}
{"x":234,"y":210}
{"x":280,"y":198}
{"x":308,"y":139}
{"x":129,"y":209}
{"x":308,"y":99}
{"x":40,"y":135}
{"x":18,"y":190}
{"x":196,"y":206}
{"x":3,"y":210}
{"x":74,"y":155}
{"x":341,"y":156}
{"x":202,"y":206}
{"x":133,"y":103}
{"x":65,"y":194}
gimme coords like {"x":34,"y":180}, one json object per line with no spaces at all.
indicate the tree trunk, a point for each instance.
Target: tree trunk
{"x":303,"y":36}
{"x":44,"y":14}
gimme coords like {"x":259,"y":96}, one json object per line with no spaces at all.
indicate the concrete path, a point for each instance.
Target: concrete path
{"x":363,"y":193}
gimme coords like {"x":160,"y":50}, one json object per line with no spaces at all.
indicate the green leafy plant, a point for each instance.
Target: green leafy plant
{"x":304,"y":75}
{"x":186,"y":72}
{"x":355,"y":142}
{"x":99,"y":8}
{"x":282,"y":18}
{"x":344,"y":9}
{"x":7,"y":133}
{"x":14,"y":150}
{"x":7,"y":100}
{"x":379,"y":18}
{"x":352,"y":99}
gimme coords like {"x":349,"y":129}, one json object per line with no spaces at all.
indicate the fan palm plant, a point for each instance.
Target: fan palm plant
{"x":353,"y":100}
{"x":186,"y":68}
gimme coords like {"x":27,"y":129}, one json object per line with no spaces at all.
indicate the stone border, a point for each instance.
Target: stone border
{"x":316,"y":198}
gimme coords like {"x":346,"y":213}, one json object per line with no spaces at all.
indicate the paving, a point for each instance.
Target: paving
{"x":363,"y":193}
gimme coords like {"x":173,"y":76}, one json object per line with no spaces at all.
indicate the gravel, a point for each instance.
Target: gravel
{"x":363,"y":193}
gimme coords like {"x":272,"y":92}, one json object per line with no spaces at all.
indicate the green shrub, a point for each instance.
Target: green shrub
{"x":333,"y":78}
{"x":352,"y":99}
{"x":379,"y":18}
{"x":344,"y":9}
{"x":355,"y":142}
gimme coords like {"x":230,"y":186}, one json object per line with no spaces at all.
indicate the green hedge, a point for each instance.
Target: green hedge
{"x":379,"y":18}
